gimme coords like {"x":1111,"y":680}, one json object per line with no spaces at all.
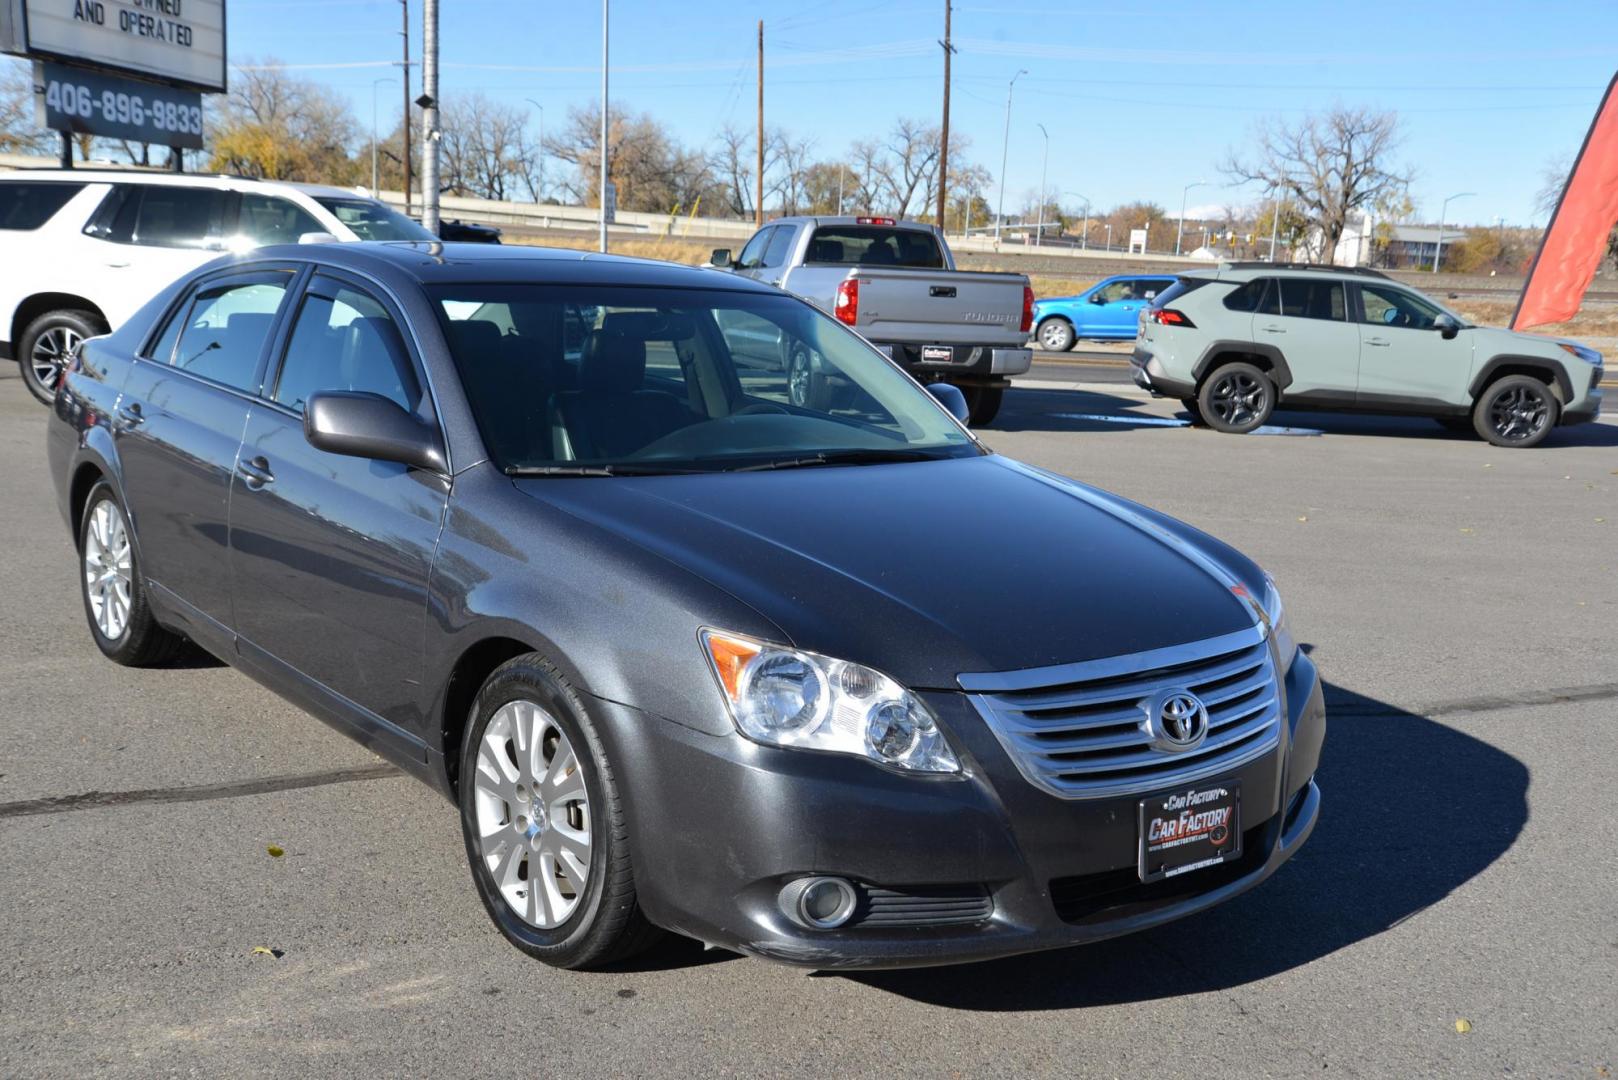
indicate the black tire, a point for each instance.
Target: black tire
{"x":1460,"y":425}
{"x":1055,"y":335}
{"x":983,"y":404}
{"x":140,"y":641}
{"x":606,"y":924}
{"x":806,"y":383}
{"x":1516,"y":412}
{"x":1191,"y":406}
{"x":54,"y":335}
{"x":1236,"y":398}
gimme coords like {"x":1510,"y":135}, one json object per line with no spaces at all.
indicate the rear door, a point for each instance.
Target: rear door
{"x":178,"y":427}
{"x":1307,"y":320}
{"x":1404,"y":361}
{"x":331,"y":553}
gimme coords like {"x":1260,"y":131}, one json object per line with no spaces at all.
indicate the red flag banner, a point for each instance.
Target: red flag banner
{"x":1576,"y":238}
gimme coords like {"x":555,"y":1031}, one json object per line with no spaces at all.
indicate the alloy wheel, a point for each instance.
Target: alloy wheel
{"x":1238,"y":398}
{"x":1518,"y":413}
{"x":533,"y":814}
{"x":1053,"y":336}
{"x":107,"y":573}
{"x":51,"y":352}
{"x":799,"y":375}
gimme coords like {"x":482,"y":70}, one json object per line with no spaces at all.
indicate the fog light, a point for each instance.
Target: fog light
{"x":818,"y":903}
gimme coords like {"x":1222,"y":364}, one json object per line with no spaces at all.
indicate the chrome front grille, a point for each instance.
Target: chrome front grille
{"x":1081,"y":731}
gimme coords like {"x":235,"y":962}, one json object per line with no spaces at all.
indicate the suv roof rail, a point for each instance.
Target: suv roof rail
{"x":1259,"y":264}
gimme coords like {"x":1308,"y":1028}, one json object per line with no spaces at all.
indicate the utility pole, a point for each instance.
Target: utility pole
{"x":430,"y":135}
{"x":943,"y":138}
{"x":758,"y":209}
{"x":1039,"y":233}
{"x":1005,"y":146}
{"x":603,"y":215}
{"x":404,"y":68}
{"x":841,"y":170}
{"x":1275,"y":229}
{"x":539,"y":191}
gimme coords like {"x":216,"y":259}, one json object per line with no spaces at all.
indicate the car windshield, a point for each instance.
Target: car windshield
{"x":592,"y":380}
{"x":371,"y":220}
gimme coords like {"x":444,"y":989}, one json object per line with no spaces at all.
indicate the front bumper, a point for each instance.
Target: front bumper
{"x":1588,"y":410}
{"x":720,"y":824}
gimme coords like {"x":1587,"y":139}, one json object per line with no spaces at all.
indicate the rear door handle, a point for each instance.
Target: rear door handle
{"x":1381,"y":343}
{"x":130,"y":414}
{"x":117,"y":265}
{"x":256,"y":472}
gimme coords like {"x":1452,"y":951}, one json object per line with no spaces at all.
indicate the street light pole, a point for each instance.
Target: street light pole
{"x":603,"y":200}
{"x":1109,"y":236}
{"x":1438,"y":247}
{"x":539,"y":191}
{"x":1005,"y":146}
{"x":1039,"y":232}
{"x":1179,"y":232}
{"x":374,"y":84}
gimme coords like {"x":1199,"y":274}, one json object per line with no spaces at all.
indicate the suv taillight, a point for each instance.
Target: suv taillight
{"x":1169,"y":317}
{"x":1027,"y":309}
{"x":847,"y":307}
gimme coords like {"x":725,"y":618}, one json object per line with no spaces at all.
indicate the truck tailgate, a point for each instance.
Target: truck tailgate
{"x":941,"y":306}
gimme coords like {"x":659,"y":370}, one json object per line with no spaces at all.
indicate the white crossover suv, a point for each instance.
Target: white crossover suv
{"x":85,"y":249}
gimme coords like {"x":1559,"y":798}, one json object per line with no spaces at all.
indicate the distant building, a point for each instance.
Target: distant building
{"x":1406,"y":247}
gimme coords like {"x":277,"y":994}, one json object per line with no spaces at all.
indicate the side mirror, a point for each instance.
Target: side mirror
{"x":1447,"y":327}
{"x":317,"y":238}
{"x":364,"y":425}
{"x":1097,"y":298}
{"x":951,"y":398}
{"x":720,"y":259}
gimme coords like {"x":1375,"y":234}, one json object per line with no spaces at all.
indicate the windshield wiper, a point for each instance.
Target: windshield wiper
{"x":841,"y":457}
{"x":617,"y":469}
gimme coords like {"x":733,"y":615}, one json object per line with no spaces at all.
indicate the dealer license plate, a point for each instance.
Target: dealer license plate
{"x":1189,"y":829}
{"x":942,"y":354}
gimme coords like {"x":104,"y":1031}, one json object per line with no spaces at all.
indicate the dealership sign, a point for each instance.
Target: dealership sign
{"x":180,"y":43}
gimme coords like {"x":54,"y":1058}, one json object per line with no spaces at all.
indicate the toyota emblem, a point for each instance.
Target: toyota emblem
{"x":1179,"y":720}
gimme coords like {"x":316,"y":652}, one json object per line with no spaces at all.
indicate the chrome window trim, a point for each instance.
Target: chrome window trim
{"x":1109,"y":666}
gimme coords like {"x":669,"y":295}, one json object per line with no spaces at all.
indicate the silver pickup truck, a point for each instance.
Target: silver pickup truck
{"x":895,"y":282}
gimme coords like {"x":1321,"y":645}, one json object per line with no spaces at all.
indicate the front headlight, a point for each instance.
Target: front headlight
{"x":788,"y":697}
{"x":1275,"y":612}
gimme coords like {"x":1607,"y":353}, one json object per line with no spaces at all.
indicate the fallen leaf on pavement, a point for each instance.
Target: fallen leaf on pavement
{"x":1463,"y":1026}
{"x":265,"y":950}
{"x":276,"y":851}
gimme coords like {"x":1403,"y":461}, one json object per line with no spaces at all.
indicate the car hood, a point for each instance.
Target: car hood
{"x":1490,"y":341}
{"x":926,"y":570}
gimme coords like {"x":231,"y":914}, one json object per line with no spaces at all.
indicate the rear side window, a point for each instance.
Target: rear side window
{"x":345,"y":340}
{"x":1178,"y":288}
{"x":224,"y":331}
{"x":1305,"y":299}
{"x":1249,"y":297}
{"x":154,"y":216}
{"x":875,"y":245}
{"x":266,"y":219}
{"x":25,"y":206}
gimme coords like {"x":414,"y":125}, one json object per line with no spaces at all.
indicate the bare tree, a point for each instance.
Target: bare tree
{"x":275,"y":126}
{"x":485,"y":150}
{"x":1329,"y":165}
{"x":18,"y":133}
{"x":910,"y":166}
{"x":867,"y":159}
{"x":651,"y":170}
{"x":732,"y":162}
{"x":790,"y":158}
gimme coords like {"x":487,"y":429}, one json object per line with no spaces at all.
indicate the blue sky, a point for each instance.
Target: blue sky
{"x":1139,"y":100}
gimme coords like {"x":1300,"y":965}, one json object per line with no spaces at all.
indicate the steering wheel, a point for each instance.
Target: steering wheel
{"x":758,"y":408}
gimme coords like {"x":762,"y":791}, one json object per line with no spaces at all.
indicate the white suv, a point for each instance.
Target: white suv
{"x":85,"y":249}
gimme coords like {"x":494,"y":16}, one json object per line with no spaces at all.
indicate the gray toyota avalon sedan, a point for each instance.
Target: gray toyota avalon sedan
{"x":707,"y":617}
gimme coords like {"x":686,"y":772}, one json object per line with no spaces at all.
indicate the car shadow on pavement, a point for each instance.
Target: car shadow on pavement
{"x":1073,"y":410}
{"x":1411,"y":810}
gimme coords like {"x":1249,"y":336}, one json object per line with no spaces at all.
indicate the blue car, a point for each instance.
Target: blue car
{"x":1109,"y":310}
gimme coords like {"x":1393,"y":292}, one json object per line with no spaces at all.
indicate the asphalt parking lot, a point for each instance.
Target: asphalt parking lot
{"x":1461,"y":601}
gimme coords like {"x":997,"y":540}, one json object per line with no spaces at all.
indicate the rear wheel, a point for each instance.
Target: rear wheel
{"x":1237,"y":398}
{"x":543,"y":822}
{"x":114,"y":596}
{"x":983,"y":404}
{"x":806,"y":384}
{"x":1191,"y":406}
{"x":1518,"y":411}
{"x":48,"y":344}
{"x":1055,"y":335}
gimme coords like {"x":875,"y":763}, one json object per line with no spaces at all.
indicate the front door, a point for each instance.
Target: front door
{"x":331,"y":554}
{"x":1405,"y":362}
{"x":178,"y":426}
{"x":1307,"y":320}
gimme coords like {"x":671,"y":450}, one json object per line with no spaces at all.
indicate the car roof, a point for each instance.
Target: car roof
{"x":169,"y":179}
{"x":851,"y":220}
{"x":449,"y":263}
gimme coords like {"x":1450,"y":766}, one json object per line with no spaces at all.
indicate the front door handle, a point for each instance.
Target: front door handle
{"x":130,"y":414}
{"x":116,"y":265}
{"x":1381,"y":343}
{"x":1273,"y":329}
{"x":256,"y":472}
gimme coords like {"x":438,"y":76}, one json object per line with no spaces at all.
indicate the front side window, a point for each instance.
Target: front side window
{"x":345,"y":340}
{"x":776,"y":253}
{"x":675,"y":380}
{"x":26,"y":206}
{"x":371,"y":220}
{"x":875,"y":245}
{"x":1114,"y":291}
{"x":1394,"y":307}
{"x":223,"y":331}
{"x":268,"y":219}
{"x":1303,"y":298}
{"x":753,"y":254}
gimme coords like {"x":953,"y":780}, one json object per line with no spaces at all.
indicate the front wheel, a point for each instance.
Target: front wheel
{"x":806,"y":384}
{"x":1055,"y":335}
{"x":1237,"y":398}
{"x":1518,"y":411}
{"x":543,"y":822}
{"x":47,"y":345}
